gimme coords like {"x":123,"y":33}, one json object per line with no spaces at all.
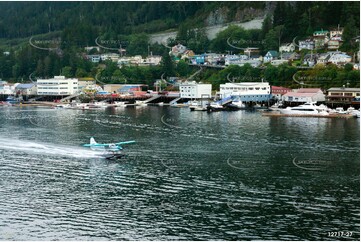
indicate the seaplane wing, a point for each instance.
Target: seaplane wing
{"x":97,"y":145}
{"x":125,"y":142}
{"x":94,"y":144}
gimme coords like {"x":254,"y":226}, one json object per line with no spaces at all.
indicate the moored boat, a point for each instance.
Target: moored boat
{"x":306,"y":109}
{"x":12,"y":100}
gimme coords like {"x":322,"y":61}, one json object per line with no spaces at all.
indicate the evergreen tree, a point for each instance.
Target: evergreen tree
{"x":167,"y":65}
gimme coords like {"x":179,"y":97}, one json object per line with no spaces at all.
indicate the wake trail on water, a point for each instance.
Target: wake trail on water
{"x":47,"y":149}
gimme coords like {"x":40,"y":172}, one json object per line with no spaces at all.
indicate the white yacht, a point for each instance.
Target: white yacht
{"x":140,"y":103}
{"x":340,"y":110}
{"x":353,"y":111}
{"x":306,"y":109}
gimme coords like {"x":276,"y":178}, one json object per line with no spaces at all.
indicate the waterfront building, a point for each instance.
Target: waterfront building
{"x":278,"y":92}
{"x":7,"y":88}
{"x":59,"y":85}
{"x":112,"y":88}
{"x":195,"y":90}
{"x":26,"y":89}
{"x":246,"y":91}
{"x":85,"y":81}
{"x":342,"y":95}
{"x":303,"y":95}
{"x":131,"y":88}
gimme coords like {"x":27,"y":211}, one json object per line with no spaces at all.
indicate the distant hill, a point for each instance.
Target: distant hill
{"x":24,"y":19}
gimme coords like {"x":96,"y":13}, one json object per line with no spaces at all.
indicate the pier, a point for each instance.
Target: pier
{"x":272,"y":114}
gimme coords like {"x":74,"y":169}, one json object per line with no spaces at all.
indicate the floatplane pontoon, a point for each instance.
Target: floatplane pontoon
{"x":112,"y":150}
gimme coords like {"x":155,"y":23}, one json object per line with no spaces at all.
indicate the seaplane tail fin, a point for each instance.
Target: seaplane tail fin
{"x":92,"y":141}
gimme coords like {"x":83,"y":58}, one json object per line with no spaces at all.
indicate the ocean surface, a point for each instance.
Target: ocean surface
{"x":190,"y":176}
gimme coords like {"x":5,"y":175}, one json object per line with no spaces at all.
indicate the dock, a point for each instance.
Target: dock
{"x":271,"y":114}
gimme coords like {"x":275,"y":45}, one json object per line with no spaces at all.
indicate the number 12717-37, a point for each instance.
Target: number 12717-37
{"x":339,"y":234}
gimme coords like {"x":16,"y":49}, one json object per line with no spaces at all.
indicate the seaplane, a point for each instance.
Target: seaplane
{"x":111,"y":150}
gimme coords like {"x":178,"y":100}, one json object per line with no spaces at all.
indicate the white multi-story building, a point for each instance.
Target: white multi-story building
{"x":195,"y":90}
{"x":59,"y":85}
{"x":7,"y":88}
{"x":246,"y":91}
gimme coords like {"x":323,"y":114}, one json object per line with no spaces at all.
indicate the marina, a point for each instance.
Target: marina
{"x":271,"y":114}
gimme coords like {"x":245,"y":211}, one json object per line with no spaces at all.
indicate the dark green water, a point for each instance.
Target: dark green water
{"x":190,"y":176}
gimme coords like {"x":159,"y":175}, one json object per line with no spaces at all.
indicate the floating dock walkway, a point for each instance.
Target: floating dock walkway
{"x":271,"y":114}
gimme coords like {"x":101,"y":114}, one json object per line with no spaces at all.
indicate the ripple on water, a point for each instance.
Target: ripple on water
{"x":202,"y":181}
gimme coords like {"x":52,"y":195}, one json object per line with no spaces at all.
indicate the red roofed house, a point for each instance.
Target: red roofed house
{"x":278,"y":92}
{"x":303,"y":95}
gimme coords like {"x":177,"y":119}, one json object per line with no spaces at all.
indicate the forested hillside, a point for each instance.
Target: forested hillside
{"x":22,"y":19}
{"x":75,"y":25}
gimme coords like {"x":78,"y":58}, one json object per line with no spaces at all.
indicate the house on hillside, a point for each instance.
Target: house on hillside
{"x":93,"y":58}
{"x":270,"y":55}
{"x":89,"y":48}
{"x":178,"y":50}
{"x":334,"y":44}
{"x":310,"y":59}
{"x":288,"y":47}
{"x":321,"y":38}
{"x":323,"y":58}
{"x":187,"y":54}
{"x":340,"y":59}
{"x":153,"y":60}
{"x":252,"y":53}
{"x":290,"y":56}
{"x":307,"y":44}
{"x":336,"y":32}
{"x":114,"y":57}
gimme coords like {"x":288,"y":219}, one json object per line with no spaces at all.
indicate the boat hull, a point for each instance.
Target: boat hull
{"x":298,"y":112}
